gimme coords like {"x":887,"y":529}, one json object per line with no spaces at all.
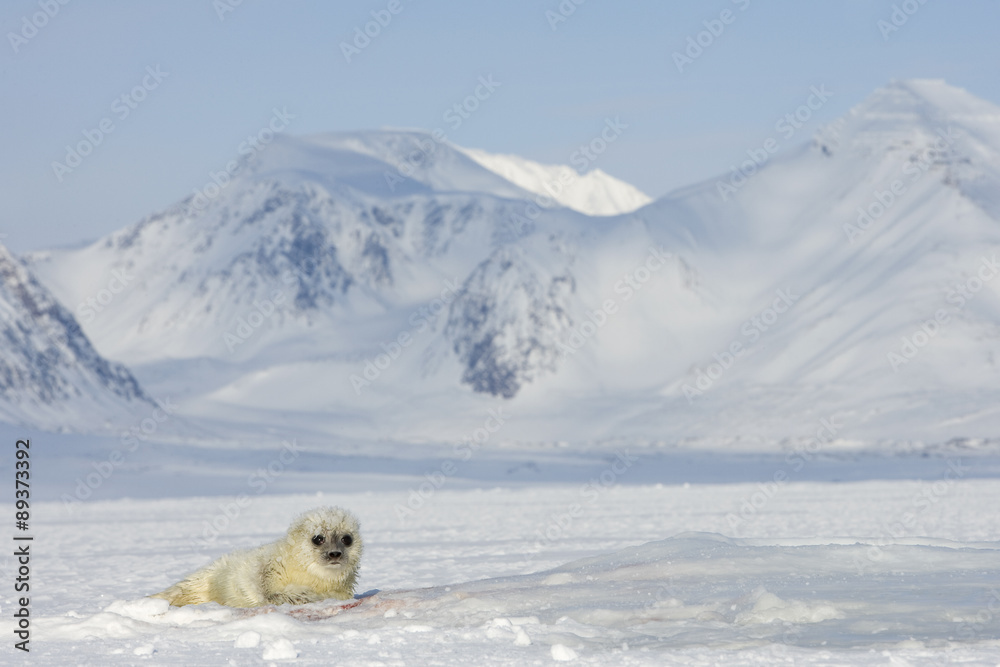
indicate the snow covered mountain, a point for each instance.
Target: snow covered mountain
{"x":509,"y":319}
{"x":593,"y":192}
{"x":383,"y":284}
{"x":884,"y":231}
{"x":308,"y":238}
{"x":50,"y":375}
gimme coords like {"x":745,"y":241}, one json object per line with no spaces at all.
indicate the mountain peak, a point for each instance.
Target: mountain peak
{"x":394,"y":162}
{"x":593,"y":192}
{"x":911,"y":115}
{"x":921,"y":98}
{"x":383,"y":163}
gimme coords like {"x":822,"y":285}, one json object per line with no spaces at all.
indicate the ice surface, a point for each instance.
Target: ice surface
{"x":499,"y":572}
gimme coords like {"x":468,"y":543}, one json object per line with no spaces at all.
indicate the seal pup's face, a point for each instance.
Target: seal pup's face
{"x":328,"y":541}
{"x":332,"y":547}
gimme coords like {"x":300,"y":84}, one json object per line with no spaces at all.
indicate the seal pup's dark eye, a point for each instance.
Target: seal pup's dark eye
{"x":348,"y":540}
{"x":318,"y":540}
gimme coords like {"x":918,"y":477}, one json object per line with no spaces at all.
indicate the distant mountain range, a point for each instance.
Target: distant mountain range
{"x":383,"y":284}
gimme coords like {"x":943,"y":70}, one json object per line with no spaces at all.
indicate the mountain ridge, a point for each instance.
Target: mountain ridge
{"x":49,"y":371}
{"x":367,"y":226}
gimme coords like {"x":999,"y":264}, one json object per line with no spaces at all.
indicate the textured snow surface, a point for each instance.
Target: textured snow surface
{"x":591,"y":560}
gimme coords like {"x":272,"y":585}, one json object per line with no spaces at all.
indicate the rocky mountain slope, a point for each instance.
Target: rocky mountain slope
{"x":388,"y":283}
{"x":50,"y":374}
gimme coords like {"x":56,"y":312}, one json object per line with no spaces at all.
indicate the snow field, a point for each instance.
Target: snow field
{"x":494,"y":576}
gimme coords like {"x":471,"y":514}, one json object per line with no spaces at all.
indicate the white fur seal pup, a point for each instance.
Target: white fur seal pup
{"x":316,"y":560}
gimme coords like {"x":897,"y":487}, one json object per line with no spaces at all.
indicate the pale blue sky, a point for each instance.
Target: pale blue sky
{"x":556,"y":86}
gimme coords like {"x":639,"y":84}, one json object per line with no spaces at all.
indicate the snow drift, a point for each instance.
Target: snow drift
{"x":693,"y":591}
